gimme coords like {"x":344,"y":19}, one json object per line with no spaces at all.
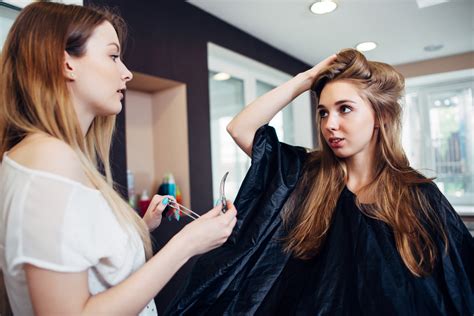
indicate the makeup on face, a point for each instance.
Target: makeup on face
{"x":346,"y":119}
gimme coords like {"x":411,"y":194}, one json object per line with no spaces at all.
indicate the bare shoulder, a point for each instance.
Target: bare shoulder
{"x":49,"y":154}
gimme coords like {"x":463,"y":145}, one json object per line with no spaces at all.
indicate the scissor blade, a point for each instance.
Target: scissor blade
{"x":222,"y":193}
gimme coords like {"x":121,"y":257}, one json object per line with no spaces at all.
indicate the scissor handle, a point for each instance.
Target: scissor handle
{"x":224,"y":205}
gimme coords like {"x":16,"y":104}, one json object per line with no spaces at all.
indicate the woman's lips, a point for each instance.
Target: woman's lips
{"x":336,"y":142}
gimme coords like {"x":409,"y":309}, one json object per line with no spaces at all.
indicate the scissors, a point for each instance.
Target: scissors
{"x":222,"y":198}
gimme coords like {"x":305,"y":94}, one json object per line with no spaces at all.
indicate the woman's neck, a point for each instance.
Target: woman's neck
{"x":84,"y":116}
{"x":360,"y":171}
{"x":85,"y":121}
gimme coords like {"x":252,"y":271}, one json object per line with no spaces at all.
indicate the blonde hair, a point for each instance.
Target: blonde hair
{"x":35,"y":98}
{"x":398,"y":200}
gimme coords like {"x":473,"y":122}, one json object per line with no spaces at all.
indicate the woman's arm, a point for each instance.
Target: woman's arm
{"x":68,"y":293}
{"x":243,"y":127}
{"x":57,"y":293}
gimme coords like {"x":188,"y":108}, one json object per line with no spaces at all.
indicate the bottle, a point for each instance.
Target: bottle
{"x":163,"y":189}
{"x":171,"y":185}
{"x":132,"y":198}
{"x":144,"y":202}
{"x":179,"y":196}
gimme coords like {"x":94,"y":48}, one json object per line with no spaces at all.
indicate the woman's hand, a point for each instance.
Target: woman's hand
{"x":208,"y":232}
{"x":154,"y":213}
{"x":243,"y":126}
{"x":310,"y":75}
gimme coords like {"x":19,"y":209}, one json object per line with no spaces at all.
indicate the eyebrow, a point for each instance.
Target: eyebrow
{"x":116,"y":45}
{"x":337,"y":103}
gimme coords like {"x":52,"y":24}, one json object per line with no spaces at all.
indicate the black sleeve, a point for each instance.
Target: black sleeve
{"x":457,"y":265}
{"x":219,"y":282}
{"x":273,"y":174}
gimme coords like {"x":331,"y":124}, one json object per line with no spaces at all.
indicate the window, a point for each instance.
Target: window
{"x":283,"y":121}
{"x":246,"y":81}
{"x":7,"y":16}
{"x":9,"y":10}
{"x":439,"y":133}
{"x":227,"y":99}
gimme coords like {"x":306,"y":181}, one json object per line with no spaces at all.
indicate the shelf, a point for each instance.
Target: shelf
{"x":157,"y":133}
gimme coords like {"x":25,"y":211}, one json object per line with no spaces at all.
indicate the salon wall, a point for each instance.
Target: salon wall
{"x":157,"y":138}
{"x":140,"y":144}
{"x":169,"y":39}
{"x":437,"y":65}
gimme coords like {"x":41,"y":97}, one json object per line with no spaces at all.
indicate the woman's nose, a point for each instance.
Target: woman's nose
{"x":126,"y":74}
{"x":332,"y":122}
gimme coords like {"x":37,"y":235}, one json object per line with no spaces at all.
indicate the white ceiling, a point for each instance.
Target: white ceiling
{"x":24,"y":3}
{"x":399,"y":27}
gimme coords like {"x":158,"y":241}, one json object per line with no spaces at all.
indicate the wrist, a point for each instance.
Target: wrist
{"x":302,"y":83}
{"x":183,"y":247}
{"x":147,"y":223}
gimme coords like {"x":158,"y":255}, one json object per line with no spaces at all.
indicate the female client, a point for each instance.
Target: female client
{"x":348,"y":229}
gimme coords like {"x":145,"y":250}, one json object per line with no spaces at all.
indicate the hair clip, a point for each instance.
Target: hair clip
{"x":177,"y":210}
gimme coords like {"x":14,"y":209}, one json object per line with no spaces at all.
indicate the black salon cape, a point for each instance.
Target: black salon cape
{"x":358,"y":271}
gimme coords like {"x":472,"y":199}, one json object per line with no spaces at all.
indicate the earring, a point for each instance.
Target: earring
{"x":71,"y":74}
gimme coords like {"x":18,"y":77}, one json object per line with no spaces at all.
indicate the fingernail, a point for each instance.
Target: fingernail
{"x":165,"y":201}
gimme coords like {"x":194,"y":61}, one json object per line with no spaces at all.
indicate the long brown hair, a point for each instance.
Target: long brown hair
{"x":398,"y":201}
{"x":35,"y":98}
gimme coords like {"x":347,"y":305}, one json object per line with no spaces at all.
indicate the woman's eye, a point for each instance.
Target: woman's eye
{"x":323,"y":113}
{"x":114,"y":57}
{"x":345,"y":109}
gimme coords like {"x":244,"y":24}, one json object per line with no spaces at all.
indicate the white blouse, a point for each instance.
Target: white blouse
{"x":61,"y":225}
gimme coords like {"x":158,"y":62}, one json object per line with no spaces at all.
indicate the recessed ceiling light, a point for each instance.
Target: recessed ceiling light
{"x":323,"y":7}
{"x":433,"y":48}
{"x":221,"y":76}
{"x":366,"y":46}
{"x":428,"y":3}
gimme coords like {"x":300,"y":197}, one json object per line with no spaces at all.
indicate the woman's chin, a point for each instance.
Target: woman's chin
{"x":111,"y":110}
{"x":341,"y":154}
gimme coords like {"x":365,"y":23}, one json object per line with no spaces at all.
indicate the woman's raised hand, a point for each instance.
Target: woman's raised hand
{"x":243,"y":126}
{"x":209,"y":231}
{"x":311,"y":74}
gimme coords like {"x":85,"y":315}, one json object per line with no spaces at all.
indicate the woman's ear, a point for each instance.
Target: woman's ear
{"x":68,"y":68}
{"x":377,"y":124}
